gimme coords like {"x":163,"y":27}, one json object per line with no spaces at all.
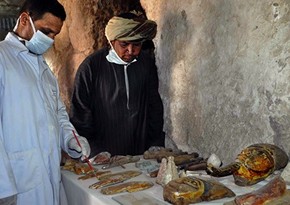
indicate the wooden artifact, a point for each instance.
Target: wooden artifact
{"x":187,"y":190}
{"x":132,"y":186}
{"x":253,"y":164}
{"x":272,"y":192}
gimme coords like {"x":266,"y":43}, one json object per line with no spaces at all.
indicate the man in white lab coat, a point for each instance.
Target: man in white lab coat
{"x":34,"y":124}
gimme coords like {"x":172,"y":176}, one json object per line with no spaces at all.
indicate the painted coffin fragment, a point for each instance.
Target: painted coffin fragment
{"x":187,"y":190}
{"x":254,"y":164}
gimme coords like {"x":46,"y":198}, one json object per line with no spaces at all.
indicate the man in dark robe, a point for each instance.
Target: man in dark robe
{"x":115,"y":103}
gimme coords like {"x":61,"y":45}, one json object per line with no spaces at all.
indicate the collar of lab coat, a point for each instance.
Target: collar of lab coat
{"x":15,"y":42}
{"x":19,"y":47}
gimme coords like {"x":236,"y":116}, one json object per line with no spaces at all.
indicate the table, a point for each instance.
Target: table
{"x":78,"y":193}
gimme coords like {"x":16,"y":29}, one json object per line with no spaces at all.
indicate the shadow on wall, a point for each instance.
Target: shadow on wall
{"x":175,"y":33}
{"x":232,"y":72}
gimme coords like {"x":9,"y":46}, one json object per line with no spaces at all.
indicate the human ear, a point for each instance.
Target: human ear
{"x":24,"y":19}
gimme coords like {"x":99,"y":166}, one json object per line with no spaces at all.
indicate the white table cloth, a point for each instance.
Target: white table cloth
{"x":78,"y":193}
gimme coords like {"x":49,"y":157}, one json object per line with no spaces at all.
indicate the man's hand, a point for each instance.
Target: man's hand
{"x":82,"y":147}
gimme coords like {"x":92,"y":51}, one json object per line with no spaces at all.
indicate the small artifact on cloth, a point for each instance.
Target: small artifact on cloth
{"x":69,"y":165}
{"x":96,"y":174}
{"x":161,"y":171}
{"x":191,"y":163}
{"x":214,"y":160}
{"x":101,"y":158}
{"x":77,"y":167}
{"x":115,"y":178}
{"x":187,"y":190}
{"x":129,"y":173}
{"x":254,"y":164}
{"x":267,"y":194}
{"x":197,"y":167}
{"x":167,"y":171}
{"x":107,"y":182}
{"x":154,"y":173}
{"x":149,"y":167}
{"x":186,"y":159}
{"x":132,"y":186}
{"x":120,"y":160}
{"x":159,"y":153}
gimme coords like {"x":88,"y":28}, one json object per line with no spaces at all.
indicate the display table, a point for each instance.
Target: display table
{"x":78,"y":193}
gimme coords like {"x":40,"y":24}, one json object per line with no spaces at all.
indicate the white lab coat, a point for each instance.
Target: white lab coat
{"x":34,"y":126}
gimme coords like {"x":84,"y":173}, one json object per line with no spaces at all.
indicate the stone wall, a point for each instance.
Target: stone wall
{"x":224,"y":72}
{"x":223,"y":67}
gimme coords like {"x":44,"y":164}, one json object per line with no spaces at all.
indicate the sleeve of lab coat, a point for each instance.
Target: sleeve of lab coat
{"x":66,"y":128}
{"x":7,"y":181}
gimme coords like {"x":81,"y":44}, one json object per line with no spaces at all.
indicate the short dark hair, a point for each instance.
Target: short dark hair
{"x":37,"y":8}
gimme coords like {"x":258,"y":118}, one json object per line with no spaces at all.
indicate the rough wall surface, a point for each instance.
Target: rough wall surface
{"x":224,"y":72}
{"x":73,"y":43}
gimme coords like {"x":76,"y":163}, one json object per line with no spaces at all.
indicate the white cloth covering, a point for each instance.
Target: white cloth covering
{"x":77,"y":191}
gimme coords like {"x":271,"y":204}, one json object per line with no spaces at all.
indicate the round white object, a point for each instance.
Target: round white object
{"x":214,"y":160}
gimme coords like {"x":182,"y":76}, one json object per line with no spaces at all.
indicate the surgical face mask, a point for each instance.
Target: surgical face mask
{"x":39,"y":43}
{"x":113,"y":57}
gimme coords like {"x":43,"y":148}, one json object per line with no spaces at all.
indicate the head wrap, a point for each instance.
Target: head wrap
{"x":124,"y":29}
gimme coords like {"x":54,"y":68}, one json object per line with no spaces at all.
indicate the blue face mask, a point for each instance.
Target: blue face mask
{"x":39,"y":43}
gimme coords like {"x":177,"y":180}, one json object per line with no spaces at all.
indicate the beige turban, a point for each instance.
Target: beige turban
{"x":123,"y":29}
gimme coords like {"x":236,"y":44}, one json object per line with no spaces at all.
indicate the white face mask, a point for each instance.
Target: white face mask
{"x":39,"y":43}
{"x":113,"y":57}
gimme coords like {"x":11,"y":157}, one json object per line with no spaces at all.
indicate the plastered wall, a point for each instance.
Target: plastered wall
{"x":224,"y":71}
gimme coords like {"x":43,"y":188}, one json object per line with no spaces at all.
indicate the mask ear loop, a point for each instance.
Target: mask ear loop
{"x":16,"y":25}
{"x":32,"y":25}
